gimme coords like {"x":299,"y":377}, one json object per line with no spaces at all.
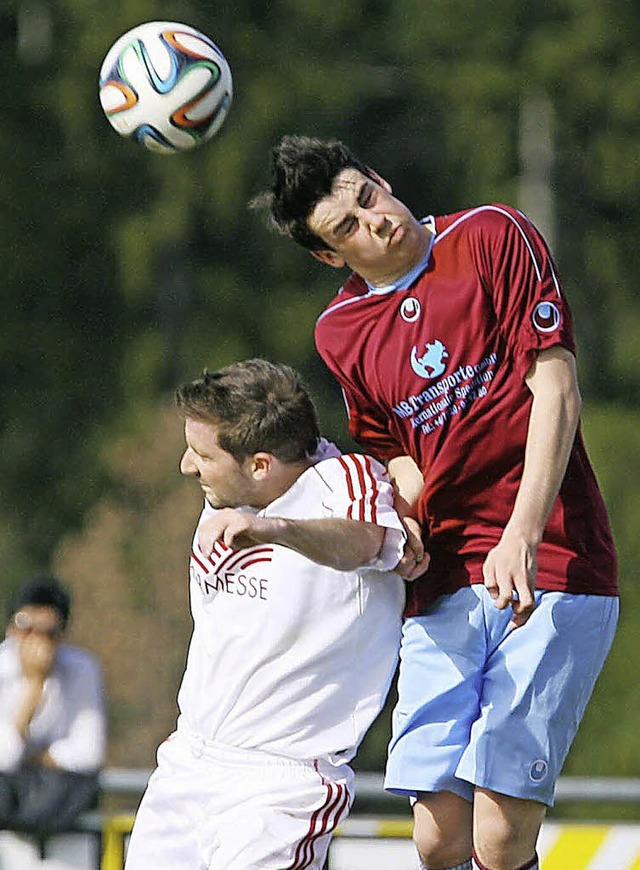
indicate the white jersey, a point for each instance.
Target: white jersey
{"x":288,"y":656}
{"x":70,"y":721}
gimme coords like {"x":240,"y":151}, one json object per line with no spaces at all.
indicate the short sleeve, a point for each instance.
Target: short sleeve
{"x":358,"y":488}
{"x":519,"y":274}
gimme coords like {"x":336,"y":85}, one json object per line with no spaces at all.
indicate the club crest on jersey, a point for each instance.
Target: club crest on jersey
{"x":431,"y":364}
{"x":410,"y":309}
{"x":546,"y":317}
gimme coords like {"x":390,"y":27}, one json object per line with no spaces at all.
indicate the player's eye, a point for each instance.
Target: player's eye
{"x":346,"y":227}
{"x":366,"y":196}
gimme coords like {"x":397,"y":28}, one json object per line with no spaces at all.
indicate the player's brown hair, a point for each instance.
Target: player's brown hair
{"x":303,"y":170}
{"x":256,"y":405}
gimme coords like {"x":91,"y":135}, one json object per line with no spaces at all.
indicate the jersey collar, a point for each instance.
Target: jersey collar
{"x":407,"y":280}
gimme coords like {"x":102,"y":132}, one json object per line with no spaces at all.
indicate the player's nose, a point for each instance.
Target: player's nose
{"x":187,"y":464}
{"x":379,"y":224}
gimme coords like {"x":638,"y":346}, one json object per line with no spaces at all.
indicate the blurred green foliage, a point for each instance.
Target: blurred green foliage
{"x":125,"y":272}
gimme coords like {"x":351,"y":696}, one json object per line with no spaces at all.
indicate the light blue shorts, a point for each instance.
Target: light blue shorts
{"x":482,"y":705}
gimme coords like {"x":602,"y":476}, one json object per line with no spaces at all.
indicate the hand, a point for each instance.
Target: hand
{"x":415,"y":560}
{"x":233,"y":528}
{"x":37,"y":656}
{"x":510,"y":571}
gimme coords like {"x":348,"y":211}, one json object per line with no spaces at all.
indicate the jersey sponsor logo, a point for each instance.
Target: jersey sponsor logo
{"x":410,"y":309}
{"x":231,"y":571}
{"x":431,"y":364}
{"x":449,"y":396}
{"x":546,"y":317}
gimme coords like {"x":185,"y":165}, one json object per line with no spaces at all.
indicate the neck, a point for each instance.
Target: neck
{"x":411,"y":262}
{"x":282,"y":476}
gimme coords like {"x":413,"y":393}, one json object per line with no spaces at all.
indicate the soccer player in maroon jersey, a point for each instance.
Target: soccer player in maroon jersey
{"x":452,"y":341}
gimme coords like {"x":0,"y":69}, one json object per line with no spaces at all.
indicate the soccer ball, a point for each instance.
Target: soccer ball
{"x":166,"y":85}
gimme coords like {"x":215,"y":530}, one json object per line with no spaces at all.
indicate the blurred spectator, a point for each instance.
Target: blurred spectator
{"x":52,"y":720}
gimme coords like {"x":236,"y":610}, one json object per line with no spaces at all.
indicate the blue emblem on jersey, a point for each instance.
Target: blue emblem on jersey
{"x":431,"y":364}
{"x":546,"y":317}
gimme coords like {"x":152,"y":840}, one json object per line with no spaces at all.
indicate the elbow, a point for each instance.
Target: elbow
{"x":573,"y":405}
{"x":360,"y":552}
{"x":371,"y":544}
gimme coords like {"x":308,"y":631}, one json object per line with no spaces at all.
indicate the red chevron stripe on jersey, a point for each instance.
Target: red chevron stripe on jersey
{"x":199,"y":562}
{"x":232,"y":559}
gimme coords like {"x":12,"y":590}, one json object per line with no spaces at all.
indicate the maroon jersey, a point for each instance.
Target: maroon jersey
{"x":437,"y":371}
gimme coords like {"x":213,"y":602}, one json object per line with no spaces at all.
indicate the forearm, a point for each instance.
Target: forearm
{"x":407,"y":482}
{"x":337,"y":543}
{"x":510,"y":569}
{"x":552,"y":427}
{"x":28,"y":706}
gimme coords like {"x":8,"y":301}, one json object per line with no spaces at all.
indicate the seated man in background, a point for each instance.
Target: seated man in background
{"x":52,"y":719}
{"x":295,"y":639}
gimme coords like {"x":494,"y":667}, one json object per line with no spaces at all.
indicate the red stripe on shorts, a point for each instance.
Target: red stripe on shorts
{"x":323,"y":821}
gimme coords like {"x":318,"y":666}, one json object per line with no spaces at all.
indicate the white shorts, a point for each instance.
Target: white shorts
{"x":481,"y":705}
{"x":214,"y":807}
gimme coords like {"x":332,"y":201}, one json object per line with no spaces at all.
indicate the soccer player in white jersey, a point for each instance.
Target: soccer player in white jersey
{"x":296,"y":628}
{"x":452,"y":341}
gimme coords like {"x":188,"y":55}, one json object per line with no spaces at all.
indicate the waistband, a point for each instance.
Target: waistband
{"x":205,"y":747}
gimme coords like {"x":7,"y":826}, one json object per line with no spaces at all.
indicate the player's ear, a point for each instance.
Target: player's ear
{"x":330,"y":258}
{"x":379,"y":179}
{"x":261,"y":465}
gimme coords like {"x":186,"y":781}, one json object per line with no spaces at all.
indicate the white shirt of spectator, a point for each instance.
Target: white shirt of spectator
{"x":70,"y":721}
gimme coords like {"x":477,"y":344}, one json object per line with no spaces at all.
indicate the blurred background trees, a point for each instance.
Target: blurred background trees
{"x":126,"y":272}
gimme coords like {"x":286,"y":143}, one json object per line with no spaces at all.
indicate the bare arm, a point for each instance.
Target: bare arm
{"x":337,"y":543}
{"x":37,"y":656}
{"x":408,"y":482}
{"x":512,"y":565}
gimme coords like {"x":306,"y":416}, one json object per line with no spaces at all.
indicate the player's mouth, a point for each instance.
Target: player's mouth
{"x":396,"y":236}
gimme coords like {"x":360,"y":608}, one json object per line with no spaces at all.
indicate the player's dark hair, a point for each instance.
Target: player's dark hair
{"x":256,"y":405}
{"x":43,"y":590}
{"x":303,"y":170}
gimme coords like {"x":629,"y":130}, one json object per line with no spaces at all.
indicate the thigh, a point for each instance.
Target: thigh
{"x":165,"y":832}
{"x":537,"y":683}
{"x":439,"y":686}
{"x":283,"y":816}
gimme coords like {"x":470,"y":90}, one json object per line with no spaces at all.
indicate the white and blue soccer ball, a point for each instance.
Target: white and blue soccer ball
{"x":166,"y":85}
